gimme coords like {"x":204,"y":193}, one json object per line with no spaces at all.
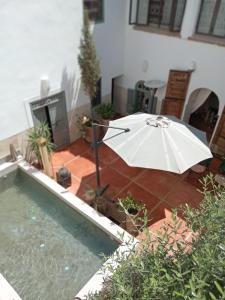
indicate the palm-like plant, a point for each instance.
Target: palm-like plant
{"x":41,"y":131}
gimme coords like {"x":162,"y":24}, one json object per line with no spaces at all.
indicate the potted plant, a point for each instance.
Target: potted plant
{"x":132,"y":210}
{"x":89,"y":196}
{"x":38,"y":132}
{"x":84,"y":124}
{"x":97,"y":202}
{"x":106,"y":112}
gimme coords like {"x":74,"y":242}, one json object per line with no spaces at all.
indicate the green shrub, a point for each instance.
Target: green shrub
{"x":105,"y":110}
{"x":177,"y":269}
{"x":42,"y":130}
{"x":130,"y":205}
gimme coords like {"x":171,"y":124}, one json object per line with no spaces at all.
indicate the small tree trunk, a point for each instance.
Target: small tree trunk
{"x":45,"y":157}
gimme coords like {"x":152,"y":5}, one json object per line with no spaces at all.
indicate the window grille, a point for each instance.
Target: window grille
{"x":211,"y":19}
{"x":95,"y":9}
{"x":164,"y":14}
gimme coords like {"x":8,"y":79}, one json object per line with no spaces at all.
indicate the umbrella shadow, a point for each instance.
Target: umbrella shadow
{"x":116,"y":175}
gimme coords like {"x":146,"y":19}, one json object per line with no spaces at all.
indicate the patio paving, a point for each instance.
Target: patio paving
{"x":160,"y":191}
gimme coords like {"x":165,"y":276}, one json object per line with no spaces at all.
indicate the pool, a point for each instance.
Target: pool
{"x":47,"y":249}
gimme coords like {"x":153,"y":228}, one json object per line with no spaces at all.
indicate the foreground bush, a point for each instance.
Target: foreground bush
{"x":175,"y":269}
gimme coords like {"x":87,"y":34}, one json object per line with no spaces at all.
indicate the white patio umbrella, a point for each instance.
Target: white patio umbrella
{"x":157,"y":142}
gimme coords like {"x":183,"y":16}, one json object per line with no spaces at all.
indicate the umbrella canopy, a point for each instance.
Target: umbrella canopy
{"x":157,"y":142}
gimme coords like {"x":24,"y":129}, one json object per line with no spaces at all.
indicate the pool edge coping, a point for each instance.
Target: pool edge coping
{"x":127,"y":241}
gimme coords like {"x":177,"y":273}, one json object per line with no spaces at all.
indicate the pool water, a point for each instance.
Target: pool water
{"x":47,"y":250}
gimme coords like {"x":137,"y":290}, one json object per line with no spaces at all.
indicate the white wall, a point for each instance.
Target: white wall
{"x":109,"y":38}
{"x":164,"y":52}
{"x":42,"y":37}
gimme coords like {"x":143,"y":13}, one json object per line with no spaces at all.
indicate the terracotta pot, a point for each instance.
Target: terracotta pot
{"x":89,"y":196}
{"x":100,"y":204}
{"x":88,"y":134}
{"x":106,"y":123}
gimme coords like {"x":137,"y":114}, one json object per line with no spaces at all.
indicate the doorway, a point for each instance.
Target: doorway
{"x":206,"y":113}
{"x":52,"y":111}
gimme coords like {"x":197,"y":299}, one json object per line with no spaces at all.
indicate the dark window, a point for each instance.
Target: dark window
{"x":95,"y":9}
{"x":212,"y":18}
{"x":164,"y":14}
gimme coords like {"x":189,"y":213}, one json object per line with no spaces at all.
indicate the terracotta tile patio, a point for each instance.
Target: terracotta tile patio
{"x":160,"y":191}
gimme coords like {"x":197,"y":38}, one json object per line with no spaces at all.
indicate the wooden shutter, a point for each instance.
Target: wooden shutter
{"x":39,"y":116}
{"x":139,"y":12}
{"x":133,"y":12}
{"x":59,"y":121}
{"x":172,"y":107}
{"x":218,"y":144}
{"x":52,"y":110}
{"x":176,"y":92}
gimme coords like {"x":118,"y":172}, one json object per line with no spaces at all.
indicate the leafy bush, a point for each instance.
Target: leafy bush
{"x":83,"y":121}
{"x":130,"y":205}
{"x":166,"y":268}
{"x":42,"y":130}
{"x":105,"y":110}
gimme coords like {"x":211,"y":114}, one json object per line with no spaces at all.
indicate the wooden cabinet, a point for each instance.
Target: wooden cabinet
{"x":176,"y":92}
{"x":178,"y":84}
{"x":172,"y":107}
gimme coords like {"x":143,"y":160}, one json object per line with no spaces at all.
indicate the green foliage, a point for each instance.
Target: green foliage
{"x":83,"y":121}
{"x":168,"y":268}
{"x":87,"y":59}
{"x":222,"y":166}
{"x":37,"y":132}
{"x":105,"y":110}
{"x":129,"y":204}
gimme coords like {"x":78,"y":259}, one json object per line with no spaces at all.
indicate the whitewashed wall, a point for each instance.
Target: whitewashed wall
{"x":164,"y":52}
{"x":42,"y":37}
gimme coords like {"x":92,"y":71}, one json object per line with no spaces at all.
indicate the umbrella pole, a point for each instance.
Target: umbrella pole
{"x":100,"y":190}
{"x":95,"y":146}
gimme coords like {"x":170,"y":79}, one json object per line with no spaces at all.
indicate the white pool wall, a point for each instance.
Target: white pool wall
{"x":126,"y":241}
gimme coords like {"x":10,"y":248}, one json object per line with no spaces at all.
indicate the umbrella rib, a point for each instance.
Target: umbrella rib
{"x":166,"y":146}
{"x":131,"y":156}
{"x":175,"y":151}
{"x":193,"y":138}
{"x":128,"y":138}
{"x":113,"y":136}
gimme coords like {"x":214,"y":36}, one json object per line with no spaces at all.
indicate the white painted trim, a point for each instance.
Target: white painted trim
{"x":191,"y":13}
{"x":7,"y":167}
{"x":27,"y":103}
{"x":215,"y":129}
{"x":6,"y":290}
